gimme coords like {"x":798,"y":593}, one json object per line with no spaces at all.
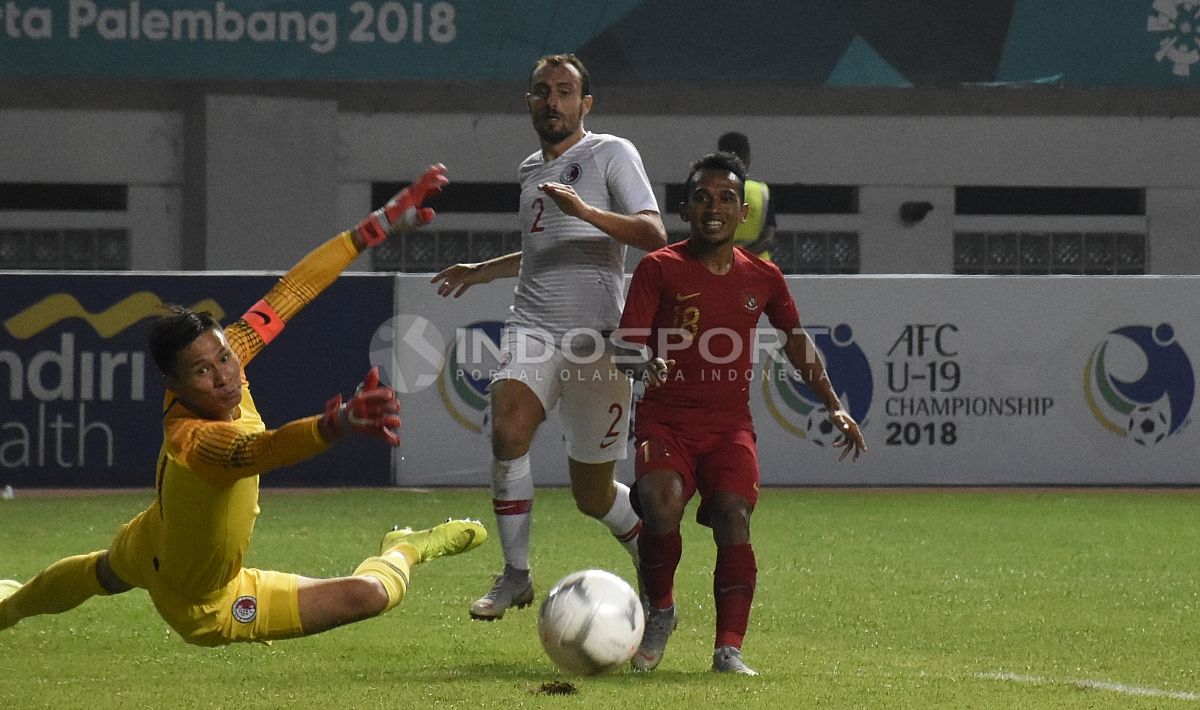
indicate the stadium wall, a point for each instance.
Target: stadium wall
{"x":242,"y":181}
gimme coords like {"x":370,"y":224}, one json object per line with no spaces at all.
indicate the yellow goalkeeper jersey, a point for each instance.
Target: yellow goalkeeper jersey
{"x":194,"y":536}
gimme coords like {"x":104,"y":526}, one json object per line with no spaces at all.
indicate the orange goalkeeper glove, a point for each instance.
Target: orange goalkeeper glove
{"x":373,"y":410}
{"x":404,"y":211}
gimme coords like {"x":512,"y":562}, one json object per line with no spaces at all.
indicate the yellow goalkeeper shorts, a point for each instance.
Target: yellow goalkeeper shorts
{"x":256,"y":605}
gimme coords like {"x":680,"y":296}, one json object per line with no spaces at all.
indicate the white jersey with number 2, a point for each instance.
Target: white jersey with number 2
{"x":572,"y":274}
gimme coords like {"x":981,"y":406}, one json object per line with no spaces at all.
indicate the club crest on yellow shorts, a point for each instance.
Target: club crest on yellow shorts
{"x":245,"y":609}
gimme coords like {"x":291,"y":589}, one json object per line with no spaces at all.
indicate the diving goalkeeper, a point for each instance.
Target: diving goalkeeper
{"x":187,"y":548}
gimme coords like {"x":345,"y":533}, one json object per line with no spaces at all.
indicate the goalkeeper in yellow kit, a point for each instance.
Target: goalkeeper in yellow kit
{"x":187,"y":548}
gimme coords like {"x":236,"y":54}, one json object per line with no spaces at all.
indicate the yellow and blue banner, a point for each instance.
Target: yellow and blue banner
{"x":80,"y":398}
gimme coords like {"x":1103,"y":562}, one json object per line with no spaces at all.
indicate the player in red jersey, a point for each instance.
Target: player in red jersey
{"x":694,"y":307}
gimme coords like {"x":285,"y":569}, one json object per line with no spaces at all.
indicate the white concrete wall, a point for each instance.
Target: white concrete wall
{"x":270,"y":178}
{"x":283,"y":172}
{"x":893,"y":159}
{"x":143,"y":149}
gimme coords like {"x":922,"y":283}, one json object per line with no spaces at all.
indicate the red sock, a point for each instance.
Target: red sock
{"x":733,"y":588}
{"x":659,"y":559}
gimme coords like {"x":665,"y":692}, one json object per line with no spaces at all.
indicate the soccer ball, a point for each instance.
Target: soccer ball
{"x":1147,"y":425}
{"x":819,"y":429}
{"x":591,"y":622}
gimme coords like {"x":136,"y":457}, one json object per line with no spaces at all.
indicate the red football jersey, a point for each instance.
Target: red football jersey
{"x":707,"y":324}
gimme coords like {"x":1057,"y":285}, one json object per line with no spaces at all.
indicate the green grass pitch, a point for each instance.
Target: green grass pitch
{"x":866,"y":598}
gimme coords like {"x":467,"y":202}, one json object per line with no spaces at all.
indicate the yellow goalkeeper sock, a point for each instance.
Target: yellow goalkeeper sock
{"x":391,"y":569}
{"x":60,"y":587}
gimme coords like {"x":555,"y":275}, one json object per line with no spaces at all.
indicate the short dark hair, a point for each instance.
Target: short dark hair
{"x":174,"y":331}
{"x":557,"y":60}
{"x":720,"y":160}
{"x":736,"y":143}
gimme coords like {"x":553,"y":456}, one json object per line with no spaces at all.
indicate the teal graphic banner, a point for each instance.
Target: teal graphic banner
{"x":461,"y":40}
{"x":893,"y":43}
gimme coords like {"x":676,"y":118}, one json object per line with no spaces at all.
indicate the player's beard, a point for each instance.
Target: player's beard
{"x":554,"y":136}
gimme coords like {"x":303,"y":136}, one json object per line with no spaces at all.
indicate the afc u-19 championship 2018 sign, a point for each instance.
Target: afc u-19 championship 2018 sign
{"x":81,"y":400}
{"x":956,"y":381}
{"x":975,"y":382}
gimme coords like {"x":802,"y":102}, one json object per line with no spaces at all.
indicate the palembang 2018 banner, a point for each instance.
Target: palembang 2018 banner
{"x":1142,"y":43}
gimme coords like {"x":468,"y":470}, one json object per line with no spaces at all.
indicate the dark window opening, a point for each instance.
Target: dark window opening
{"x":791,"y":199}
{"x":1049,"y":201}
{"x":63,"y":197}
{"x":503,"y":197}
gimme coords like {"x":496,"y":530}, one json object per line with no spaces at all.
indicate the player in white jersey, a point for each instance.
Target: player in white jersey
{"x":584,"y":197}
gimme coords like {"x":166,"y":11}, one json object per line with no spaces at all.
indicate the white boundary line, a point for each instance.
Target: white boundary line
{"x":1095,"y":685}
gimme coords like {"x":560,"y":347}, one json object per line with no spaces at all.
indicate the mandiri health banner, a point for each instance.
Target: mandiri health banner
{"x":625,"y":42}
{"x":81,"y":400}
{"x":956,"y":380}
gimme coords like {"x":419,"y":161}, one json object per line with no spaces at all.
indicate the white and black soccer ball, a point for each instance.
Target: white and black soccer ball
{"x":1147,"y":425}
{"x":819,"y":430}
{"x":591,"y":622}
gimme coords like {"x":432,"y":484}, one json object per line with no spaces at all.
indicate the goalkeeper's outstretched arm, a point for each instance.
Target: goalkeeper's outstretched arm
{"x":263,"y":321}
{"x":221,"y":453}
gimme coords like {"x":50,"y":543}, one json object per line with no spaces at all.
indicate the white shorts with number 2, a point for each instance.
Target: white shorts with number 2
{"x":595,"y":395}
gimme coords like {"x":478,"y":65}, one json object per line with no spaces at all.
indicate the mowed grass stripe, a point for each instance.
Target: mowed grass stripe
{"x":866,"y":598}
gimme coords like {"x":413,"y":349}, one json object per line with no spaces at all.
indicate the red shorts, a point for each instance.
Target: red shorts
{"x":708,"y":461}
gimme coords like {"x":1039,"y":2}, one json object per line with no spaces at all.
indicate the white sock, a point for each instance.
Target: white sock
{"x":512,"y":501}
{"x":624,"y":522}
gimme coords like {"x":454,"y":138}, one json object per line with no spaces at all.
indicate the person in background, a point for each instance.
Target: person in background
{"x":757,"y":234}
